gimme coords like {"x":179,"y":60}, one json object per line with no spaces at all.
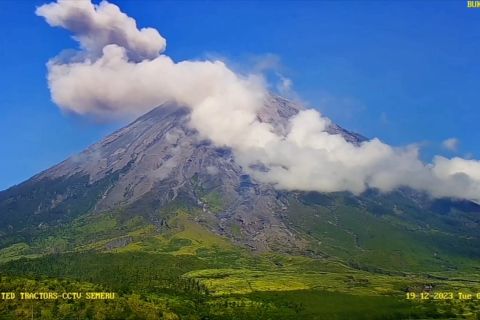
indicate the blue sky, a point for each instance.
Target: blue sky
{"x":403,"y":71}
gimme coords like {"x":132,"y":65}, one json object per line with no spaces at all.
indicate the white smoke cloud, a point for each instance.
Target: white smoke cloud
{"x":310,"y":159}
{"x":95,"y":27}
{"x":451,"y":144}
{"x":121,"y":70}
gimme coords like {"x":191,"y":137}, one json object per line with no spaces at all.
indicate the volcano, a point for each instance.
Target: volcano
{"x":167,"y":219}
{"x":156,"y":161}
{"x":158,"y":166}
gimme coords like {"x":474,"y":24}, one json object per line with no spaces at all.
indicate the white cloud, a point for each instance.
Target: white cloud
{"x":284,"y":86}
{"x":96,"y":26}
{"x":311,"y":159}
{"x":120,"y":70}
{"x":451,"y":144}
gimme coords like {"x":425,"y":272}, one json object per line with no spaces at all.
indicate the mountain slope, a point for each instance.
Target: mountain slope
{"x":158,"y":166}
{"x":176,"y":228}
{"x":151,"y":162}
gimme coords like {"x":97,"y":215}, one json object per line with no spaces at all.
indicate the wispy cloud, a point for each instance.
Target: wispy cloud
{"x":451,"y":144}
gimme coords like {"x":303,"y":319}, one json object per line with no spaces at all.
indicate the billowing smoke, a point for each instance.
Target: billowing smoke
{"x":95,"y":27}
{"x":120,"y":70}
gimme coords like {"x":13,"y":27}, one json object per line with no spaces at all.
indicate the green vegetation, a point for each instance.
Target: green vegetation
{"x":169,"y":264}
{"x":152,"y":286}
{"x":214,"y":201}
{"x":40,"y":203}
{"x":397,"y":240}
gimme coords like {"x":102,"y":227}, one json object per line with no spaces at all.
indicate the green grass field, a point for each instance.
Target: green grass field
{"x":188,"y":272}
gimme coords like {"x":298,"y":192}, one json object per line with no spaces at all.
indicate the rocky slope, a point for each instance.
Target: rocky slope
{"x":158,"y":164}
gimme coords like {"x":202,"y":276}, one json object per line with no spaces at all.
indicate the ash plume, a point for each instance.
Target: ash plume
{"x":120,"y":70}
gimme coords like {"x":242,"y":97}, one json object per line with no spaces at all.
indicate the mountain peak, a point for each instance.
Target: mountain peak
{"x":158,"y":159}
